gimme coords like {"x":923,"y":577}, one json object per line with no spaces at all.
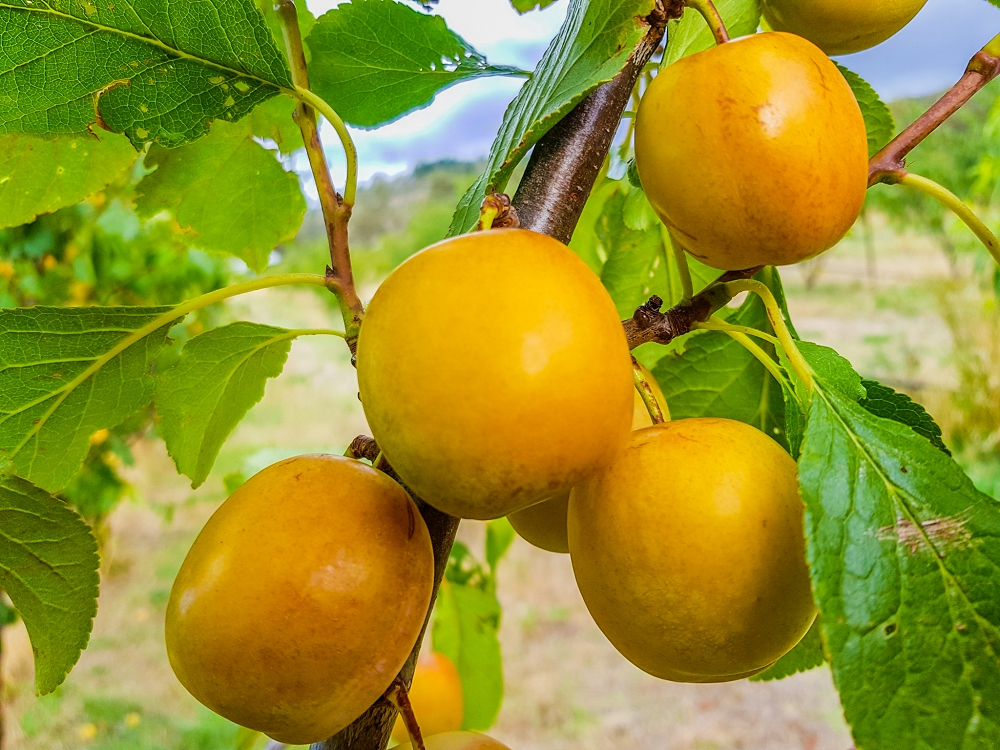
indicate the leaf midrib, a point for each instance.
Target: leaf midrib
{"x":153,"y":42}
{"x":901,"y":498}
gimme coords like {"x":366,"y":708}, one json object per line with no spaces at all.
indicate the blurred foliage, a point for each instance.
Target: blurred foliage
{"x":466,"y":624}
{"x":393,"y":219}
{"x":964,"y":156}
{"x":99,"y":252}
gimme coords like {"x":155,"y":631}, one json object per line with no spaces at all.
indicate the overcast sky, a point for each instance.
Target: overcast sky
{"x":924,"y":58}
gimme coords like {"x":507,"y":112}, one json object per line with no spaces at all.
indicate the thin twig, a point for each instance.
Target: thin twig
{"x":398,"y":696}
{"x":645,"y":391}
{"x":983,"y":68}
{"x":649,"y":324}
{"x":336,"y":209}
{"x":713,"y":18}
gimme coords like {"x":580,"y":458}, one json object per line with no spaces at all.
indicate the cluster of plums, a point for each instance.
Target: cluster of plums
{"x":497,"y":381}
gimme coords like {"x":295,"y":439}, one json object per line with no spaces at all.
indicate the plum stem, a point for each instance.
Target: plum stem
{"x":777,"y":319}
{"x":398,"y":696}
{"x":646,"y":394}
{"x":712,"y":17}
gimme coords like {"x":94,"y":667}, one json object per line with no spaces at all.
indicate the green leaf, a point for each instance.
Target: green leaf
{"x":38,"y":176}
{"x":807,"y":654}
{"x":714,"y":376}
{"x":154,"y":71}
{"x":833,"y":369}
{"x":48,"y":567}
{"x":466,"y":621}
{"x":273,"y":120}
{"x":523,"y":6}
{"x":227,"y":189}
{"x":593,"y":45}
{"x":883,"y":401}
{"x":637,"y":213}
{"x":878,"y":118}
{"x":635,"y":268}
{"x":247,"y":739}
{"x":376,"y":60}
{"x":585,"y":241}
{"x":499,"y":536}
{"x":691,"y":34}
{"x":220,"y":376}
{"x":66,"y":373}
{"x":8,"y":615}
{"x":904,"y":554}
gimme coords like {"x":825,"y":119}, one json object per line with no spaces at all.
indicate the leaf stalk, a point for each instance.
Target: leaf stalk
{"x":956,"y":205}
{"x":646,"y":394}
{"x":785,"y":339}
{"x":712,"y":17}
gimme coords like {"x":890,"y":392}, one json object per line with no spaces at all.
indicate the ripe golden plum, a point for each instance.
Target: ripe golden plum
{"x":462,"y":741}
{"x":544,"y":524}
{"x":436,"y":697}
{"x":690,"y":553}
{"x":301,"y":598}
{"x":753,"y":152}
{"x":494,"y":372}
{"x":840,"y":27}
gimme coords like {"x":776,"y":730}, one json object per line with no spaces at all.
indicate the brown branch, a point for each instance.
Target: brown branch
{"x":336,"y":213}
{"x":649,"y":324}
{"x":555,"y":186}
{"x":566,"y":161}
{"x":891,"y":160}
{"x":399,"y":697}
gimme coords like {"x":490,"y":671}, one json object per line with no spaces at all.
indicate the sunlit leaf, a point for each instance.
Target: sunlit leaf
{"x":904,"y":554}
{"x":376,"y":60}
{"x":48,"y":567}
{"x":220,"y":376}
{"x":67,"y":373}
{"x":157,"y":72}
{"x":38,"y":176}
{"x":228,"y":190}
{"x":466,"y":621}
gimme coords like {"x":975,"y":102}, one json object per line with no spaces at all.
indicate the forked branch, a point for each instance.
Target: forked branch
{"x":649,"y":324}
{"x":336,"y":209}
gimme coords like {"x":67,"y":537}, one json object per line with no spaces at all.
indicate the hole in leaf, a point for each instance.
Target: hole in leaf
{"x":890,"y":629}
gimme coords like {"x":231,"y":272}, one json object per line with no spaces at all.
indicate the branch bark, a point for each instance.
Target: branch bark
{"x":649,"y":324}
{"x":554,"y":189}
{"x":565,"y":163}
{"x":336,"y":212}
